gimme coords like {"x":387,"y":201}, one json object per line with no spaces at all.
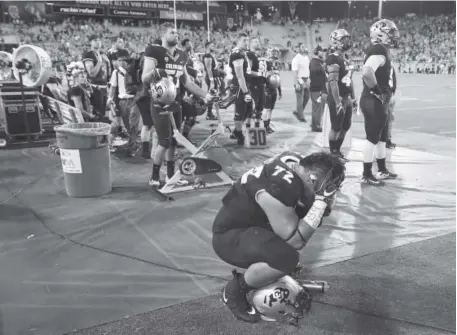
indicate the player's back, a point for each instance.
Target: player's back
{"x":277,"y":177}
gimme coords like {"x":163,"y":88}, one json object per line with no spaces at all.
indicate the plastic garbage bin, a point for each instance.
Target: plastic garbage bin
{"x":85,"y":156}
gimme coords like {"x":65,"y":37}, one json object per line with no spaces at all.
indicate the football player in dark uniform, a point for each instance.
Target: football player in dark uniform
{"x":340,"y":104}
{"x":210,"y":75}
{"x":375,"y":98}
{"x":257,"y":80}
{"x":98,"y":69}
{"x":273,"y":86}
{"x":189,"y":111}
{"x":167,"y":61}
{"x":239,"y":66}
{"x":270,"y":214}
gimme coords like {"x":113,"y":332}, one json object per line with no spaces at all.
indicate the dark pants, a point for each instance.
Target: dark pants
{"x":271,"y":95}
{"x":144,"y":107}
{"x":317,"y":109}
{"x":162,"y":123}
{"x":302,"y":100}
{"x":98,"y":100}
{"x":375,"y":116}
{"x":258,"y":97}
{"x":243,"y":110}
{"x":131,"y":117}
{"x":243,"y":247}
{"x":344,"y":119}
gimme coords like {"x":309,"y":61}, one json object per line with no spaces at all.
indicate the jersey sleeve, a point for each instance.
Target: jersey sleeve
{"x":207,"y":55}
{"x":153,"y":52}
{"x":88,"y":55}
{"x":378,"y":49}
{"x":75,"y":91}
{"x":235,"y":56}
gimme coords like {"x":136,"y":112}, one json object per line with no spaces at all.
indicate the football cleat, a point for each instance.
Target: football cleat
{"x":381,"y":175}
{"x":154,"y":183}
{"x":234,"y":297}
{"x":371,"y":180}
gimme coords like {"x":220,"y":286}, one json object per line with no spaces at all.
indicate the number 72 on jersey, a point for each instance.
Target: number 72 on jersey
{"x":257,"y":172}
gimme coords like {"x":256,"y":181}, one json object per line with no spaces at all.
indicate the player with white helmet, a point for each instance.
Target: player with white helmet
{"x":164,"y":69}
{"x":269,"y":214}
{"x":375,"y":98}
{"x":340,"y":90}
{"x":273,"y":86}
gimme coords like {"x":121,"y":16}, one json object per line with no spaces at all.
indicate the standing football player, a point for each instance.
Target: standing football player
{"x":375,"y":98}
{"x":340,"y":90}
{"x":269,"y":214}
{"x":239,"y":66}
{"x":210,"y":75}
{"x":167,"y":61}
{"x":273,"y":86}
{"x":189,"y":111}
{"x":257,"y":80}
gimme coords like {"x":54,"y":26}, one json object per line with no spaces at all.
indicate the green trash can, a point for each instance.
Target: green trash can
{"x":85,"y":155}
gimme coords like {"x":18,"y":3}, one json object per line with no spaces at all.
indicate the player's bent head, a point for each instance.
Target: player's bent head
{"x":321,"y":166}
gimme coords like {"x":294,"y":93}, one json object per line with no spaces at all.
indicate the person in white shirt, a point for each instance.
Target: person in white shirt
{"x":123,"y":88}
{"x":300,"y":70}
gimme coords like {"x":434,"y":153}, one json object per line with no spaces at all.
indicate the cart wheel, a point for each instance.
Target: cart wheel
{"x":3,"y":143}
{"x":188,"y":166}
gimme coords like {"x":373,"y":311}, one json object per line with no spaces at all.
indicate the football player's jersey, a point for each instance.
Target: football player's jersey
{"x":238,"y":54}
{"x":213,"y":64}
{"x":172,"y":64}
{"x":259,"y":65}
{"x":383,"y":73}
{"x":277,"y":177}
{"x":339,"y":60}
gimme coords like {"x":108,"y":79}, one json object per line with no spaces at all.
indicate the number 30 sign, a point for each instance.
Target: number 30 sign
{"x":255,"y":138}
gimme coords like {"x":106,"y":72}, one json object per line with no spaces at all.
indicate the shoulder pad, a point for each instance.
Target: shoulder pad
{"x":236,"y":50}
{"x":153,"y":50}
{"x":378,"y":49}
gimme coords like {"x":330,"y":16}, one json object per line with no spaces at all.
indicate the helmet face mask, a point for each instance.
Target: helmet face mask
{"x":284,"y":301}
{"x":341,"y":40}
{"x":385,"y":32}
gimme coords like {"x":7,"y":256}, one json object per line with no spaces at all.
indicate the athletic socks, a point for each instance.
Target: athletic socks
{"x":170,"y":169}
{"x":155,"y":172}
{"x":333,"y":144}
{"x":367,"y":169}
{"x":381,"y":164}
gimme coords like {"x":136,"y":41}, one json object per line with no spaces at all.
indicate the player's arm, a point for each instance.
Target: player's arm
{"x":369,"y":69}
{"x":191,"y":86}
{"x":209,"y":71}
{"x":150,"y":70}
{"x":78,"y":101}
{"x":333,"y":76}
{"x":91,"y":69}
{"x":238,"y":66}
{"x":285,"y":222}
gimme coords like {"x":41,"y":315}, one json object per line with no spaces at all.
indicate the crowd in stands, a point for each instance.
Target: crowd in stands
{"x":427,"y":44}
{"x":66,"y":41}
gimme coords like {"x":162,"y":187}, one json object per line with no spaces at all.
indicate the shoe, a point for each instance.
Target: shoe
{"x":180,"y":182}
{"x":269,"y":130}
{"x":390,"y":145}
{"x":299,"y":118}
{"x":234,"y":297}
{"x":154,"y":183}
{"x":339,"y":155}
{"x":211,"y":117}
{"x":370,"y":180}
{"x":316,"y":129}
{"x":381,"y":175}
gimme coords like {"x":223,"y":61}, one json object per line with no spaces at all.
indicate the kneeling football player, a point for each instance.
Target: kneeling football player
{"x":267,"y":216}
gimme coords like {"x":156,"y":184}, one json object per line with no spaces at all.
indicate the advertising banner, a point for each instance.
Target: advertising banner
{"x":189,"y":16}
{"x":78,"y":10}
{"x":129,"y":13}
